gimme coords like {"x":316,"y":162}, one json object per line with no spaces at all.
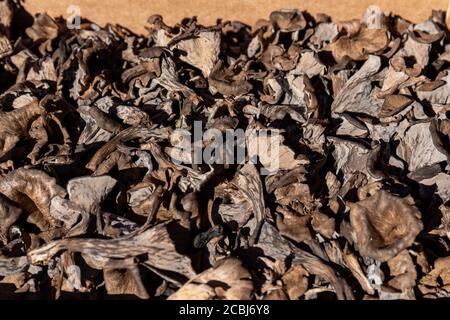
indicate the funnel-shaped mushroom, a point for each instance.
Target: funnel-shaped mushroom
{"x":383,"y":225}
{"x":228,"y":280}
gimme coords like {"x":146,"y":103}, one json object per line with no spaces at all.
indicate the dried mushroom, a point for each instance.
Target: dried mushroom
{"x":299,"y":158}
{"x":227,"y":280}
{"x":383,"y":225}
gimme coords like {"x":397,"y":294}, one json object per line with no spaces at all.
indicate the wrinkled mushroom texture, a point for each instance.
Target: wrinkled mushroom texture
{"x":5,"y":47}
{"x":437,"y":91}
{"x":288,"y":20}
{"x":88,"y":192}
{"x":323,"y":224}
{"x":294,"y":193}
{"x":125,"y":135}
{"x":228,"y":280}
{"x":373,"y":17}
{"x":295,"y":281}
{"x":169,"y":78}
{"x":350,"y":157}
{"x":367,"y":41}
{"x":6,"y":16}
{"x":404,"y":273}
{"x":309,"y":64}
{"x":440,"y":275}
{"x":271,"y":151}
{"x":43,"y":28}
{"x":101,"y":119}
{"x":32,"y":190}
{"x":277,"y":247}
{"x":441,"y":183}
{"x":351,"y":262}
{"x":154,"y":242}
{"x":228,"y":87}
{"x":383,"y":225}
{"x":351,"y":127}
{"x":9,"y":213}
{"x":98,"y":197}
{"x":67,"y":212}
{"x":417,"y":147}
{"x":325,"y":32}
{"x":14,"y":125}
{"x":249,"y":184}
{"x":9,"y":266}
{"x":394,"y":104}
{"x":125,"y":281}
{"x":277,"y":112}
{"x":356,"y":94}
{"x":133,"y":116}
{"x":293,"y":226}
{"x":412,"y":57}
{"x":200,"y":50}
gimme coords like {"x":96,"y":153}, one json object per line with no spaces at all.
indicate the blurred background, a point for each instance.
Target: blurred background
{"x":133,"y":14}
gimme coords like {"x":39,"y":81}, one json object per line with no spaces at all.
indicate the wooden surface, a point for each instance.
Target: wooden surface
{"x":134,"y":13}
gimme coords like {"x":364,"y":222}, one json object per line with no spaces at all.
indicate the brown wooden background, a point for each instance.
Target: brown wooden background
{"x":134,"y":13}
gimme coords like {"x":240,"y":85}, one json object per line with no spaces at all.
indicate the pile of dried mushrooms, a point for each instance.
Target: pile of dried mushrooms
{"x":91,"y":204}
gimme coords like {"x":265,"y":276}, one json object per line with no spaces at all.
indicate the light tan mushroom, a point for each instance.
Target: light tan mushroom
{"x":33,"y":191}
{"x":228,"y":280}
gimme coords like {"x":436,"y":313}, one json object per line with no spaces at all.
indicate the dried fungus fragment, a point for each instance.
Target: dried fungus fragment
{"x":201,"y":49}
{"x":299,"y":158}
{"x":417,"y":148}
{"x":33,"y":190}
{"x":384,"y":225}
{"x":402,"y":269}
{"x":366,"y":42}
{"x":228,"y":280}
{"x":437,"y":282}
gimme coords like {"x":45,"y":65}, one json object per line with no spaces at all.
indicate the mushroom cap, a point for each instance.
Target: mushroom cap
{"x":383,"y":225}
